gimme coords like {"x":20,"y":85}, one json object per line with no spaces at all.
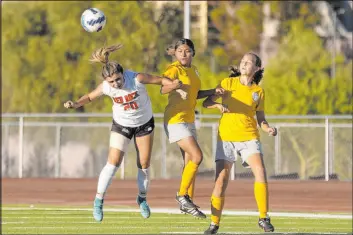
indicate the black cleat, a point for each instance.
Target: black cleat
{"x":183,"y":210}
{"x":194,"y":212}
{"x":265,"y":224}
{"x":213,"y":229}
{"x":185,"y":201}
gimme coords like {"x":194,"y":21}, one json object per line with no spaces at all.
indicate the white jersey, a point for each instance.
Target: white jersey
{"x":131,"y":104}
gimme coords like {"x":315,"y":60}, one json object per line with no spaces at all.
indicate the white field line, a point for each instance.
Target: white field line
{"x":124,"y":227}
{"x":54,"y":219}
{"x":128,"y":226}
{"x":235,"y":233}
{"x":177,"y":211}
{"x":171,"y":227}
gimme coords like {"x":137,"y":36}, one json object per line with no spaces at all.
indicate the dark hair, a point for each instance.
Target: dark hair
{"x":184,"y":41}
{"x":235,"y":72}
{"x":102,"y":55}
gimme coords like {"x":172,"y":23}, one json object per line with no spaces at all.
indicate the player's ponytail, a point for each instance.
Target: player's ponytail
{"x":101,"y":55}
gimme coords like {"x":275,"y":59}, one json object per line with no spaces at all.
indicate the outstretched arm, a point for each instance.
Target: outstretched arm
{"x":210,"y":103}
{"x":205,"y":93}
{"x":85,"y":99}
{"x":152,"y":79}
{"x":261,"y":120}
{"x":168,"y":88}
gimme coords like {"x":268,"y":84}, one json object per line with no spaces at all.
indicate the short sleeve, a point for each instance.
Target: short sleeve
{"x":130,"y":75}
{"x":261,"y":105}
{"x":224,"y":84}
{"x":171,"y":73}
{"x":106,"y":88}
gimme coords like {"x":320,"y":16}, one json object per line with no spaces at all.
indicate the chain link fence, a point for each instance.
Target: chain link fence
{"x":76,"y":146}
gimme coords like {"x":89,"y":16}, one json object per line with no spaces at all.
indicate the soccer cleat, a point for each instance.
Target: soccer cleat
{"x":185,"y":201}
{"x":213,"y":229}
{"x":265,"y":224}
{"x":98,"y":209}
{"x":183,"y":210}
{"x":144,"y":207}
{"x":194,"y":212}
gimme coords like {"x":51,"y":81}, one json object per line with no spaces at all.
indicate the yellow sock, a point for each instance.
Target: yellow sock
{"x":261,"y":196}
{"x":191,"y":188}
{"x":189,"y":174}
{"x":217,"y":204}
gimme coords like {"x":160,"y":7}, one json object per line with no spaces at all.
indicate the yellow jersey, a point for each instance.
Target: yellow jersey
{"x":179,"y":110}
{"x":242,"y":101}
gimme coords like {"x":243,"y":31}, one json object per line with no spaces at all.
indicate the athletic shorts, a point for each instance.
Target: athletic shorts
{"x":179,"y":131}
{"x":229,"y":151}
{"x":120,"y":136}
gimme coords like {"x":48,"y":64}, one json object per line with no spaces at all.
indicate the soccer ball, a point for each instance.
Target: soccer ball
{"x":93,"y":20}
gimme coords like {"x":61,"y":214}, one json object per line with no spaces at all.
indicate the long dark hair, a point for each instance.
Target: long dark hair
{"x":171,"y":49}
{"x":235,"y":72}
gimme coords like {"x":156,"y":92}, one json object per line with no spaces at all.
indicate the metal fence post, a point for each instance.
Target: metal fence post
{"x":332,"y":150}
{"x":327,"y":150}
{"x":57,"y":150}
{"x":20,"y":148}
{"x":6,"y":150}
{"x":164,"y":155}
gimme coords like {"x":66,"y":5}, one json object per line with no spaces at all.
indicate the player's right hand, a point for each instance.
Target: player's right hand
{"x":69,"y":104}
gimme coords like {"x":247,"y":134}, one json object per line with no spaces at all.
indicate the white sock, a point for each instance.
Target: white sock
{"x":105,"y":179}
{"x":143,"y":180}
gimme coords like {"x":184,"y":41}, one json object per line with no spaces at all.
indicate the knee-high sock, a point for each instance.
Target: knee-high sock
{"x":191,"y":188}
{"x":143,"y":181}
{"x":217,"y":204}
{"x":189,"y":174}
{"x":261,"y":196}
{"x":105,"y":179}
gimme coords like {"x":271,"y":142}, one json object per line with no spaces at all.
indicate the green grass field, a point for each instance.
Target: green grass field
{"x":80,"y":221}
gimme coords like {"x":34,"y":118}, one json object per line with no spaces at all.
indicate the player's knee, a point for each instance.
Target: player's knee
{"x":143,"y":165}
{"x":197,"y":159}
{"x":260,"y":174}
{"x":221,"y":184}
{"x":115,"y":157}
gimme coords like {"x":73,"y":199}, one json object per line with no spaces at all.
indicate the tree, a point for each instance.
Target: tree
{"x":240,"y":28}
{"x":296,"y":80}
{"x":46,"y":51}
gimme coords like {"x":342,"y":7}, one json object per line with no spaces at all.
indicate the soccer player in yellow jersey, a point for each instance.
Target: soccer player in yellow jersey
{"x":238,"y":135}
{"x":179,"y":119}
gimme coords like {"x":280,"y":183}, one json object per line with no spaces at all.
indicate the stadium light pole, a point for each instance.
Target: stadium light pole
{"x":187,"y":19}
{"x":334,"y":38}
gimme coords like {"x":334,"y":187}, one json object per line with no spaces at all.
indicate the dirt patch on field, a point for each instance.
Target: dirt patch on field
{"x":298,"y":196}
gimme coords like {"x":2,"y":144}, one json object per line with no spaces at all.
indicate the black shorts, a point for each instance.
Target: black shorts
{"x":139,"y":131}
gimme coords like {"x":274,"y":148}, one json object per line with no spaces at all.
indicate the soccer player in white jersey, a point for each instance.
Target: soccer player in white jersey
{"x":132,"y":118}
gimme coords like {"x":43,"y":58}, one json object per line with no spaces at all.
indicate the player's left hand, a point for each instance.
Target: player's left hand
{"x":272,"y":131}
